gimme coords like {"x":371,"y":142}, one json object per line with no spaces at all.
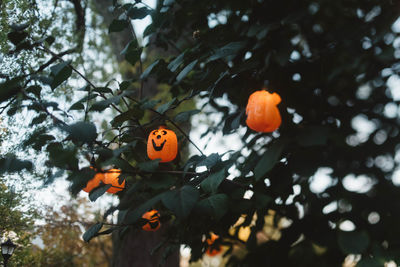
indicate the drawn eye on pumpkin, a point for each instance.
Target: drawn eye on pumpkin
{"x":162,"y":144}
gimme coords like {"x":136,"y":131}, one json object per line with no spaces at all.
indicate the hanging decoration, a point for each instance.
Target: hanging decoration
{"x":262,"y":111}
{"x":162,"y":144}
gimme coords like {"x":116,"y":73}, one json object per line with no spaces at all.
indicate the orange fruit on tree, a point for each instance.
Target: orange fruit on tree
{"x":262,"y":111}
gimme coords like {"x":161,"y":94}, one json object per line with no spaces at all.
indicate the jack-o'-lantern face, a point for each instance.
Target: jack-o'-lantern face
{"x":162,"y":144}
{"x":262,"y":111}
{"x":153,"y":221}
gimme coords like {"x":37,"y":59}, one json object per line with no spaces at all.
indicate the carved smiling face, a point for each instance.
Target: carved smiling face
{"x":162,"y":144}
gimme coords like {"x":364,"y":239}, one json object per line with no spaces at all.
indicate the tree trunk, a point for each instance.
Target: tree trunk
{"x":135,"y":247}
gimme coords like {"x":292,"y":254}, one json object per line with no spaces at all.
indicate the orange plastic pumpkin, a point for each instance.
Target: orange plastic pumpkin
{"x":213,"y":250}
{"x":111,"y":177}
{"x":153,"y":223}
{"x":95,"y":182}
{"x":262,"y":112}
{"x":162,"y":144}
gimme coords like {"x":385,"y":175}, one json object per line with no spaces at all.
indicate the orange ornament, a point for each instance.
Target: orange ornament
{"x":162,"y":144}
{"x":111,"y":177}
{"x":212,"y":251}
{"x":153,"y":223}
{"x":262,"y":112}
{"x":95,"y":182}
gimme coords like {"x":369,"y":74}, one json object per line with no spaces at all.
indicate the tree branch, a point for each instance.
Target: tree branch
{"x":77,"y":72}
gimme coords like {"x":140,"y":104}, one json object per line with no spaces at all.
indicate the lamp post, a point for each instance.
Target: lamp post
{"x":7,"y":249}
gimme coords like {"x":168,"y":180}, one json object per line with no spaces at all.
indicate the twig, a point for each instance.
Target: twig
{"x":147,"y":5}
{"x":172,"y":122}
{"x":166,"y":172}
{"x":42,"y":67}
{"x":184,"y":134}
{"x":79,"y":73}
{"x":55,"y":119}
{"x":87,"y":104}
{"x":7,"y":105}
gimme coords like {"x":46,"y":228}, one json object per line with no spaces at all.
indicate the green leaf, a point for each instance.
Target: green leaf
{"x":10,"y":163}
{"x":268,"y":160}
{"x":125,"y":85}
{"x":98,"y":191}
{"x":80,"y":178}
{"x":138,"y":13}
{"x":371,"y":262}
{"x":210,"y":161}
{"x":103,"y":90}
{"x":24,"y":45}
{"x":163,"y":181}
{"x":236,"y":121}
{"x":77,"y":106}
{"x":262,"y":200}
{"x":149,"y":30}
{"x":185,"y":115}
{"x":9,"y":88}
{"x":164,"y":107}
{"x":82,"y":131}
{"x":34,"y":89}
{"x":103,"y":104}
{"x":181,"y":201}
{"x":174,"y":64}
{"x":313,"y":136}
{"x":16,"y":37}
{"x":149,"y":166}
{"x":60,"y":73}
{"x":211,"y":183}
{"x":227,"y":50}
{"x":39,"y":119}
{"x":150,"y":104}
{"x":64,"y":158}
{"x":149,"y":69}
{"x":215,"y":205}
{"x":19,"y":27}
{"x":38,"y":140}
{"x":355,"y":242}
{"x":92,"y":231}
{"x":132,"y":52}
{"x":118,"y":25}
{"x":134,"y":113}
{"x":49,"y":40}
{"x":135,"y":214}
{"x":186,"y":71}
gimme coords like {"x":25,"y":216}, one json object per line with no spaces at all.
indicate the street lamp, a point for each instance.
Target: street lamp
{"x":7,"y":249}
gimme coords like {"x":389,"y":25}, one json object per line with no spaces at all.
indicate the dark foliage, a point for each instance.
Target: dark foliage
{"x":328,"y":60}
